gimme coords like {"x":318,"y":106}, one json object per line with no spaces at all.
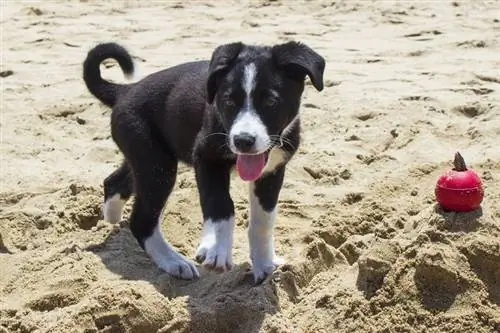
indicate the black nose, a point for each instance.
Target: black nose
{"x":244,"y":142}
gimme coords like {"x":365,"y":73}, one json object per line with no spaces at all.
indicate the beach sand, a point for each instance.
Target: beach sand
{"x":407,"y":84}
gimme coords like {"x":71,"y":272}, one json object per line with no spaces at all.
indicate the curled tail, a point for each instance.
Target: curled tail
{"x":106,"y":91}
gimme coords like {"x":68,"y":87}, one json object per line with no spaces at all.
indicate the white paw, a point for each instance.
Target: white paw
{"x":216,"y":248}
{"x":214,"y":256}
{"x":178,"y":267}
{"x":263,"y":267}
{"x":113,"y":208}
{"x":165,"y":257}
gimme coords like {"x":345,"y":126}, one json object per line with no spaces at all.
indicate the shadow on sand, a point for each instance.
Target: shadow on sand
{"x":217,"y":302}
{"x":459,"y":222}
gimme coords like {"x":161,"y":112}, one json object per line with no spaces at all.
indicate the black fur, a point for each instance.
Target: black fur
{"x":105,"y":91}
{"x":183,"y":114}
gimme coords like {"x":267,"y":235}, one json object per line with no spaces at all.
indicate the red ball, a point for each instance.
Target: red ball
{"x":459,"y":191}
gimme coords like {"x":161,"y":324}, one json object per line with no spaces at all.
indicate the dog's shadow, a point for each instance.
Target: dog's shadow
{"x":217,"y":302}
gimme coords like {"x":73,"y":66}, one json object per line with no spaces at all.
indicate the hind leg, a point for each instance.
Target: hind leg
{"x":154,"y":171}
{"x":118,"y":188}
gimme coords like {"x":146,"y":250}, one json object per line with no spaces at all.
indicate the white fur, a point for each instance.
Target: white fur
{"x":261,"y":238}
{"x":165,"y":256}
{"x":216,"y":244}
{"x":113,"y":208}
{"x":248,"y":121}
{"x":249,"y":75}
{"x":277,"y":156}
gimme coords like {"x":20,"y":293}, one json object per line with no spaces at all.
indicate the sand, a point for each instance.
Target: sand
{"x":367,"y":250}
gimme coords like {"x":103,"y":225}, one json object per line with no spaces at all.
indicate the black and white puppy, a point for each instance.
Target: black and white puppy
{"x":240,"y":108}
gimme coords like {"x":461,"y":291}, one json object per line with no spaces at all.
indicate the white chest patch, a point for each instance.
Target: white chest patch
{"x":277,"y":157}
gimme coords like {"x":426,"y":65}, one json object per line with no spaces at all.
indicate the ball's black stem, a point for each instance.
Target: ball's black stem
{"x":459,"y":163}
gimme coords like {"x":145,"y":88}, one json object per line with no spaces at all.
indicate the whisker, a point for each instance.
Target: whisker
{"x":281,"y":141}
{"x":225,"y":145}
{"x":278,"y":143}
{"x":216,"y":133}
{"x":278,"y":137}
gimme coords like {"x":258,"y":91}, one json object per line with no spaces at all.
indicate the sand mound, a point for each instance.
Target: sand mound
{"x":367,"y":250}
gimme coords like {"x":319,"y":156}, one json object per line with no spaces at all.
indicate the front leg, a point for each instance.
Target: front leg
{"x":216,"y":247}
{"x":264,"y":195}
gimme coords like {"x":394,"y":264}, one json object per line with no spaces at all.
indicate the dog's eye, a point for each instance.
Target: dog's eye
{"x":271,"y":101}
{"x":228,"y":102}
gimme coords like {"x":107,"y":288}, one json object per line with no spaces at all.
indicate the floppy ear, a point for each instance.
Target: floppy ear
{"x":222,"y":57}
{"x":300,"y":60}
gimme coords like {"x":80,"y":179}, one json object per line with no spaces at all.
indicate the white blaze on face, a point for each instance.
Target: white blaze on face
{"x":249,"y":79}
{"x":248,"y":121}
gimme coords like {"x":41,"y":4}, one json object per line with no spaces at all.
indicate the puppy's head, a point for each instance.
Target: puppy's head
{"x":257,"y":92}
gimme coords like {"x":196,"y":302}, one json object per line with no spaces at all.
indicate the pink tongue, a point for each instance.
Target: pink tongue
{"x":250,"y":166}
